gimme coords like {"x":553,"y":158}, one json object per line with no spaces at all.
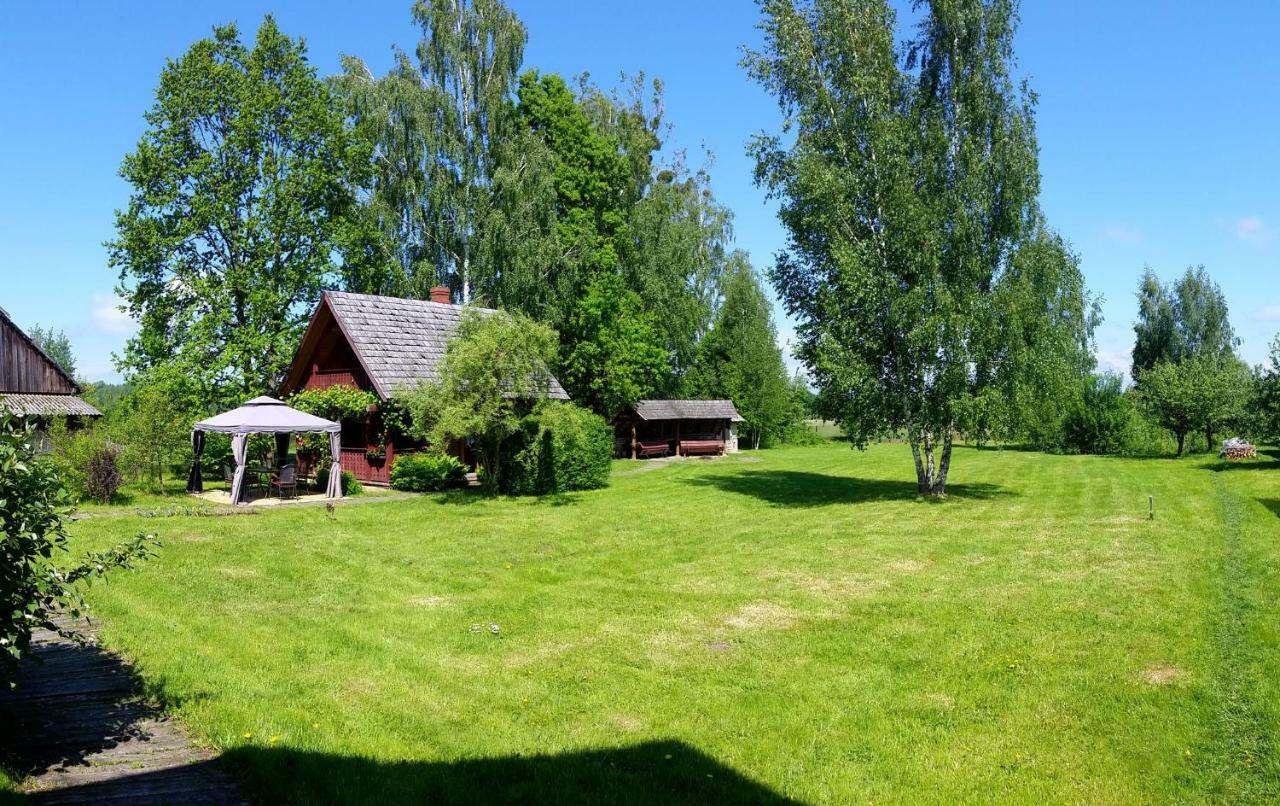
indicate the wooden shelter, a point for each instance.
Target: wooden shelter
{"x":653,"y":428}
{"x":382,"y":345}
{"x":31,"y":384}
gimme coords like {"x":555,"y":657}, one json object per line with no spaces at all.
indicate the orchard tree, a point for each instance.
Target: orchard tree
{"x":243,"y":196}
{"x":1202,"y":393}
{"x":739,"y":358}
{"x":907,"y":177}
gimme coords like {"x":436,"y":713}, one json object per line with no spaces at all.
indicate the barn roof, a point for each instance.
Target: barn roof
{"x":30,"y":405}
{"x":400,"y":341}
{"x":687,"y":410}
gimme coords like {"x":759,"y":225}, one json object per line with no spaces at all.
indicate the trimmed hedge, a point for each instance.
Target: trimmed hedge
{"x":559,"y":448}
{"x":426,"y":472}
{"x":350,"y":486}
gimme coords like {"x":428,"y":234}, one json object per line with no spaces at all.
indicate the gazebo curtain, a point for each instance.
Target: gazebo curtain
{"x":335,"y":472}
{"x":239,"y":450}
{"x":282,"y":447}
{"x":195,"y":484}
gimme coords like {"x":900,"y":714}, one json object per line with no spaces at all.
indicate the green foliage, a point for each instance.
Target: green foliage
{"x":426,"y":472}
{"x":1267,"y":395}
{"x":1182,"y":321}
{"x":105,"y":397}
{"x":351,"y":486}
{"x":493,"y":369}
{"x":559,"y":448}
{"x":740,"y":359}
{"x":339,"y":402}
{"x":907,"y":178}
{"x":56,"y":346}
{"x":243,"y":192}
{"x":614,"y":354}
{"x":1200,"y":393}
{"x":154,"y":432}
{"x":1103,"y":419}
{"x":33,"y":588}
{"x":436,"y":129}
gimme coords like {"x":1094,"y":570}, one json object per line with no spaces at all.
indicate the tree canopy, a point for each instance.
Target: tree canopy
{"x":1184,"y":320}
{"x":243,"y":208}
{"x":907,"y":178}
{"x":56,"y":346}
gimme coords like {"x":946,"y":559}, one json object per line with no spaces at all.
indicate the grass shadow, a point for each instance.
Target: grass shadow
{"x":656,"y":772}
{"x":796,"y":488}
{"x":1272,"y":504}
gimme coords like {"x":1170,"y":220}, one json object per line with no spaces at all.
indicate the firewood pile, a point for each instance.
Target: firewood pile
{"x":1237,"y":448}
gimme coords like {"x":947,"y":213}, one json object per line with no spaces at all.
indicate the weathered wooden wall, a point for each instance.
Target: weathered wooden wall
{"x":23,"y":368}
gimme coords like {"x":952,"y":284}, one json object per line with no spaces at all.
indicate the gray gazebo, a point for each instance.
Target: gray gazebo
{"x":262,"y":415}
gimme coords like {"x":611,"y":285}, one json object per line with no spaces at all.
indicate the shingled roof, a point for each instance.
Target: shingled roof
{"x":687,"y":410}
{"x":400,"y":341}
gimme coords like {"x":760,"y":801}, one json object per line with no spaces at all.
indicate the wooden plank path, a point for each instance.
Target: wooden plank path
{"x":78,"y":726}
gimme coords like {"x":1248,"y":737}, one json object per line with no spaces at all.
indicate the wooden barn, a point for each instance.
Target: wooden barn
{"x":32,"y":386}
{"x":653,"y":428}
{"x":382,"y":345}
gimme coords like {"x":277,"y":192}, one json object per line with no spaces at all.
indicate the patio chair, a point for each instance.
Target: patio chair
{"x":285,"y":484}
{"x":228,"y":473}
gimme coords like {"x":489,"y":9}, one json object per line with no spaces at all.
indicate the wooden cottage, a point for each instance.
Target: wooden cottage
{"x":382,"y":345}
{"x":676,"y":427}
{"x":32,"y":386}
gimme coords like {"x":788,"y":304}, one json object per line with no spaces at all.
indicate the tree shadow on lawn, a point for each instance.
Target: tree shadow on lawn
{"x":656,"y":772}
{"x":797,"y":488}
{"x":1272,"y":504}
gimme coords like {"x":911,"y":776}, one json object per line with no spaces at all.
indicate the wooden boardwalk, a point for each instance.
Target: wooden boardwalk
{"x":79,"y":727}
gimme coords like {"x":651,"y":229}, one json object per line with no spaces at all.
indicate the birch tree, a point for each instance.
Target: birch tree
{"x":907,"y":177}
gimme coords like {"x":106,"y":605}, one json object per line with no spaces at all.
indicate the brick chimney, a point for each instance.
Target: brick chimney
{"x":441,"y":294}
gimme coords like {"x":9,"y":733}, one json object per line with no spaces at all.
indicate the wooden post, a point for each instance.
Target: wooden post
{"x":677,"y":437}
{"x":635,"y":449}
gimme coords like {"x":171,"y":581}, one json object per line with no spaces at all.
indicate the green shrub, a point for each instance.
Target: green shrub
{"x":426,"y":472}
{"x":801,"y":433}
{"x":559,"y":448}
{"x":1102,"y":421}
{"x":36,"y":586}
{"x":350,"y":485}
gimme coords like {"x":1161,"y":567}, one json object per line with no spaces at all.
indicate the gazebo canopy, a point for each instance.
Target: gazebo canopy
{"x":262,"y":415}
{"x":266,"y":415}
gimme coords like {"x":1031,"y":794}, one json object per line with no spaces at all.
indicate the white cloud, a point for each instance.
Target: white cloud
{"x":108,"y":317}
{"x":1267,"y":313}
{"x":1119,"y":233}
{"x":1252,"y":229}
{"x":1117,"y":361}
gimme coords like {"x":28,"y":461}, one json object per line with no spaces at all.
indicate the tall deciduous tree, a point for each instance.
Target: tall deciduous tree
{"x":614,"y":355}
{"x":1185,"y":320}
{"x":907,"y":179}
{"x":436,"y":126}
{"x":243,"y":193}
{"x":739,"y":358}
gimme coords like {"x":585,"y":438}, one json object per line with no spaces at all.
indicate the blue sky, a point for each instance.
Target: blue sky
{"x":1157,"y":126}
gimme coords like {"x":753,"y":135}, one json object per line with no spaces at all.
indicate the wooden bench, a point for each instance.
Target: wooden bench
{"x":654,"y":447}
{"x":693,"y":447}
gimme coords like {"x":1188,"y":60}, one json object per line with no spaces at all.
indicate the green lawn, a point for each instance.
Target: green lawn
{"x":793,"y":624}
